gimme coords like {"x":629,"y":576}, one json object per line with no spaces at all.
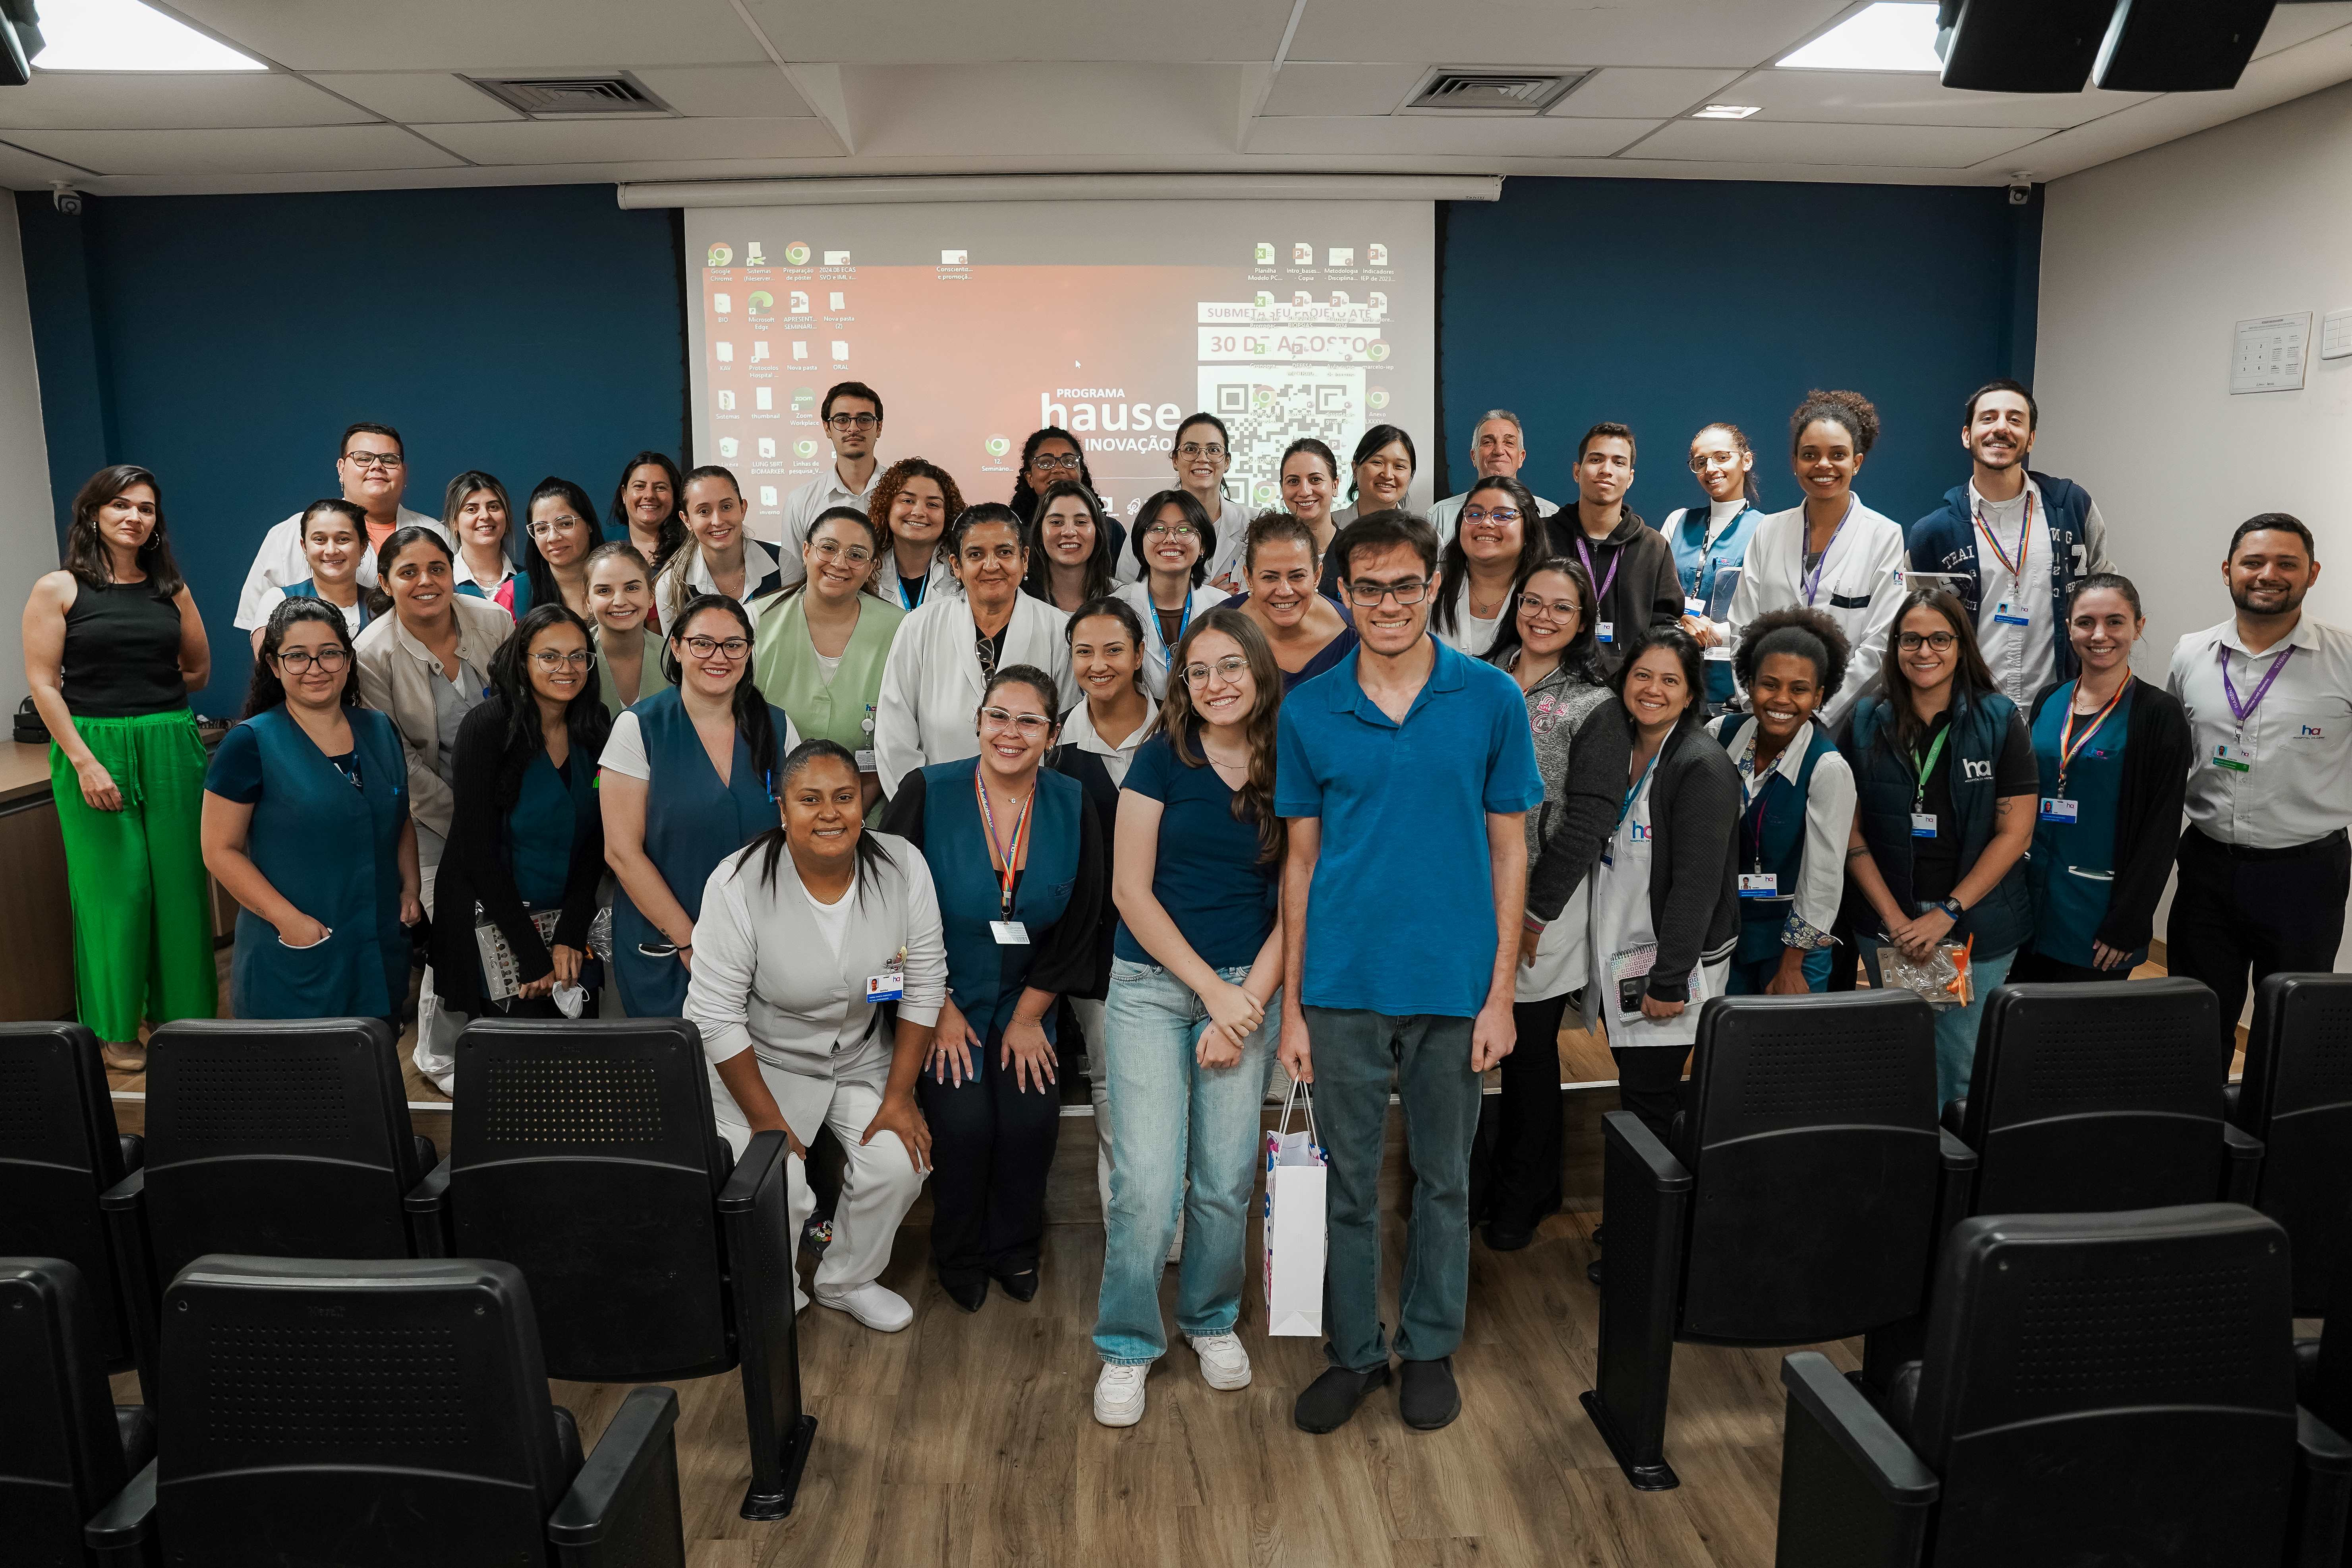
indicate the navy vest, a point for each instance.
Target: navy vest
{"x":983,"y":977}
{"x":1771,"y":838}
{"x":1886,"y":785}
{"x":1945,"y":541}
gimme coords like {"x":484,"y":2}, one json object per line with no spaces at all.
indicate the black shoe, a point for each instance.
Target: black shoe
{"x":1021,"y":1286}
{"x":967,"y":1292}
{"x":1592,"y":1271}
{"x":1596,"y":1235}
{"x":1426,"y":1396}
{"x":1331,"y":1398}
{"x":1503,"y":1236}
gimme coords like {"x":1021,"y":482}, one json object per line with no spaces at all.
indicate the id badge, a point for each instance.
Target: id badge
{"x":1923,"y":824}
{"x":1694,"y":607}
{"x":865,"y":761}
{"x":2054,"y":809}
{"x":1759,"y":885}
{"x":1605,"y":630}
{"x":1009,"y":933}
{"x":2007,"y":615}
{"x":1716,"y":651}
{"x":2238,"y":758}
{"x":887,"y":987}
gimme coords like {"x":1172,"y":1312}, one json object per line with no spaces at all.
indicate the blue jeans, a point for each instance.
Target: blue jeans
{"x":1171,"y":1117}
{"x":1955,"y":1028}
{"x":1750,"y":979}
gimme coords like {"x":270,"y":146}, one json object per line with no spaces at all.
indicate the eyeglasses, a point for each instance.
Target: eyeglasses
{"x":1047,"y":460}
{"x":329,"y":659}
{"x":703,"y":648}
{"x":1195,"y":450}
{"x":1531,"y":606}
{"x":855,"y":554}
{"x":549,"y":659}
{"x":551,"y":526}
{"x":1480,"y":514}
{"x":1702,"y":461}
{"x":854,"y":421}
{"x":1030,"y":726}
{"x":1170,"y":531}
{"x":1364,"y":595}
{"x":1911,"y":642}
{"x":1229,"y":669}
{"x":385,"y":460}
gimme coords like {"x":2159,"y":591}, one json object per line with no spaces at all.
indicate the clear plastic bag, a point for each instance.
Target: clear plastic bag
{"x":1944,"y":977}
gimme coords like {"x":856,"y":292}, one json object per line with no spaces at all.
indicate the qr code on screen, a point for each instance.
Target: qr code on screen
{"x":1266,"y":407}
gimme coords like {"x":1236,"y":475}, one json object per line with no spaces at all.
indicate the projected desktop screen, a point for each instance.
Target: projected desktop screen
{"x":978,"y":322}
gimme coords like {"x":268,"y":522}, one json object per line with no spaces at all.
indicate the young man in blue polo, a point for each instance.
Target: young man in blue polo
{"x":1404,"y":771}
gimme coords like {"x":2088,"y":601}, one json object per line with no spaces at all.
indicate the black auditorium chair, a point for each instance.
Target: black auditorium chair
{"x":2098,"y":1388}
{"x":1801,"y":1201}
{"x":585,"y":1155}
{"x":277,"y":1139}
{"x":2098,"y":1096}
{"x":2296,"y":1098}
{"x":60,"y":1152}
{"x":383,"y":1416}
{"x":66,"y":1447}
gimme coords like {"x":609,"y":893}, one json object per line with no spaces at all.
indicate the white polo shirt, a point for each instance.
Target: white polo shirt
{"x":805,"y":505}
{"x":1446,"y":515}
{"x":2017,"y":625}
{"x":280,"y":562}
{"x":2287,"y":778}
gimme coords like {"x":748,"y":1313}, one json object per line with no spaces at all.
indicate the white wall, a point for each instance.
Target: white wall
{"x":28,"y":537}
{"x":2147,"y":265}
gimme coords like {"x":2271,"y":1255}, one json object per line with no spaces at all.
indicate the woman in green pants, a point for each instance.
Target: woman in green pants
{"x":113,"y":647}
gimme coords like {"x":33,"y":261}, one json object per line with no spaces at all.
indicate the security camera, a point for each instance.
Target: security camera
{"x":64,"y":198}
{"x":2020,"y":191}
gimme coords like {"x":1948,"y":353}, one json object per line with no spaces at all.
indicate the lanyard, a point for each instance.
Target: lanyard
{"x":1919,"y":797}
{"x":1639,"y":786}
{"x":2024,"y":532}
{"x":1758,"y":815}
{"x":1183,"y":619}
{"x":912,"y":600}
{"x":2070,"y":748}
{"x":1812,"y":580}
{"x":1011,"y":852}
{"x":1601,"y":593}
{"x":2245,"y":710}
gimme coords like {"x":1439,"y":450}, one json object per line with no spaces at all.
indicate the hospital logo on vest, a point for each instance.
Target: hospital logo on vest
{"x":2312,"y":732}
{"x":1642,"y":833}
{"x":1974,"y":771}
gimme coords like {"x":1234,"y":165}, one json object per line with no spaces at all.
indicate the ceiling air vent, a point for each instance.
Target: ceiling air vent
{"x":1469,"y":90}
{"x":558,"y":97}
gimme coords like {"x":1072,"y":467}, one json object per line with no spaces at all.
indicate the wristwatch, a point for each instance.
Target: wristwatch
{"x":1952,"y":908}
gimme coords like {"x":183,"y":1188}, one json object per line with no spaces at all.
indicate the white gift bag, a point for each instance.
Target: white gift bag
{"x":1295,"y":1177}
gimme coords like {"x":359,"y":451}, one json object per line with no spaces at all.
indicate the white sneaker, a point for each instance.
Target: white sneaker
{"x":1118,"y":1395}
{"x":874,"y":1304}
{"x":1224,"y":1362}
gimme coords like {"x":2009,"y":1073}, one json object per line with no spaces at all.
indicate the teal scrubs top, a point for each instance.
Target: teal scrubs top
{"x":1699,"y":565}
{"x":546,"y":821}
{"x":328,"y":837}
{"x":2072,"y":869}
{"x":984,"y":976}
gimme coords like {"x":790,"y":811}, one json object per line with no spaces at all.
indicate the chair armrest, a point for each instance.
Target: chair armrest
{"x":123,"y":1207}
{"x":134,"y":1150}
{"x":623,"y":1507}
{"x":754,"y":1211}
{"x":1956,"y":1188}
{"x":121,"y":1535}
{"x":2307,"y":1371}
{"x":1954,"y":1116}
{"x":743,"y":1189}
{"x":2322,"y":1496}
{"x":1852,"y":1494}
{"x":428,"y":1212}
{"x":127,"y":1195}
{"x":2233,"y":1099}
{"x":2245,"y":1169}
{"x":1623,"y":1133}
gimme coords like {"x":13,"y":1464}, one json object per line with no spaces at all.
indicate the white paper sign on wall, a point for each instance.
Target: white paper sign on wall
{"x":2336,"y":334}
{"x":2270,"y":353}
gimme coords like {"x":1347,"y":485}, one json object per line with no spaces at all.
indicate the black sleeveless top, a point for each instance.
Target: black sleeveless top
{"x":122,"y":652}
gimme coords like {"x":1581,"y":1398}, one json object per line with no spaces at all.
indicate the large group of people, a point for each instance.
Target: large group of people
{"x":1336,"y":794}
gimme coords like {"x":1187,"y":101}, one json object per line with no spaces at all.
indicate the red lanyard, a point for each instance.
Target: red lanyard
{"x":2070,"y":748}
{"x":1011,"y":853}
{"x":2024,"y":531}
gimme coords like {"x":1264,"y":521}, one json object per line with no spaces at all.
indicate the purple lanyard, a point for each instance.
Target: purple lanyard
{"x":1601,"y":593}
{"x":1813,"y":582}
{"x":2245,"y":710}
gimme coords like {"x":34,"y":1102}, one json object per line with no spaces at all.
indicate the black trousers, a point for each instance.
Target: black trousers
{"x":2259,"y":911}
{"x":2030,"y":966}
{"x":1523,"y":1182}
{"x":1650,"y":1085}
{"x":991,"y":1145}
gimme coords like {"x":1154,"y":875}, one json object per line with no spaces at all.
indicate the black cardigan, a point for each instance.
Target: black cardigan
{"x":2158,"y":751}
{"x":1695,"y":802}
{"x":1088,"y":768}
{"x":475,"y":869}
{"x":1579,"y":809}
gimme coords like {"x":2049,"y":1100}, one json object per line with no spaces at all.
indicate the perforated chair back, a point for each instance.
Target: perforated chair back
{"x":2297,"y":1099}
{"x":2111,"y":1388}
{"x":60,"y":1452}
{"x":322,"y":1412}
{"x":2098,"y":1095}
{"x":277,"y":1139}
{"x":586,"y":1155}
{"x":58,"y":1151}
{"x":1813,"y":1142}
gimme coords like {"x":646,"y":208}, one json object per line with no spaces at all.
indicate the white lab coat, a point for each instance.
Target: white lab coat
{"x":1138,"y":597}
{"x":928,"y":709}
{"x":1861,"y":585}
{"x":939,"y":581}
{"x":279,"y":563}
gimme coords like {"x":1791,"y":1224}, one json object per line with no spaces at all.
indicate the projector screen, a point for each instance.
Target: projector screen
{"x":978,"y":322}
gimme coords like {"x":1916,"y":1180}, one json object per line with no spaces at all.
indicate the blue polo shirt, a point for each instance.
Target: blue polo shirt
{"x":1401,"y":914}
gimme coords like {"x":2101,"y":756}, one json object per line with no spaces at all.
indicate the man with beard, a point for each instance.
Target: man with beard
{"x":2016,"y":542}
{"x":2264,"y":864}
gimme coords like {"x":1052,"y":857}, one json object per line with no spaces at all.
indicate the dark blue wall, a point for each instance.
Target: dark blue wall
{"x":1668,"y":303}
{"x":225,"y":342}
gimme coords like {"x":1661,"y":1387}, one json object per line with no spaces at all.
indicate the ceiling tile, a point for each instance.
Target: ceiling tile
{"x":1313,"y":88}
{"x":1761,"y":141}
{"x":2293,"y":24}
{"x":1729,"y":33}
{"x":638,"y":141}
{"x":146,"y":101}
{"x":1914,"y":98}
{"x":1630,"y":92}
{"x":270,"y":152}
{"x":1411,"y":135}
{"x":480,"y":36}
{"x":981,"y":32}
{"x":23,"y":171}
{"x":727,"y":91}
{"x":416,"y":98}
{"x":1048,"y":113}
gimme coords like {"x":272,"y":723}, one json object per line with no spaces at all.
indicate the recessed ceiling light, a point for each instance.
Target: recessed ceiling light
{"x":124,"y":36}
{"x":1726,"y":111}
{"x":1890,"y":36}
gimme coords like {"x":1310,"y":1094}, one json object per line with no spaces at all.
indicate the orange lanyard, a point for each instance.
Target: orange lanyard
{"x":2070,"y":748}
{"x":1011,"y":853}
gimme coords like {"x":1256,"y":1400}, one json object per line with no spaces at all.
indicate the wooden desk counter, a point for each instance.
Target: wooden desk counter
{"x":36,"y":914}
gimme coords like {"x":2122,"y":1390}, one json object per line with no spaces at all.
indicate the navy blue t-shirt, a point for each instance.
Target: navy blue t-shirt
{"x":1206,"y":874}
